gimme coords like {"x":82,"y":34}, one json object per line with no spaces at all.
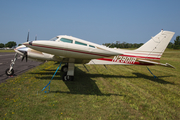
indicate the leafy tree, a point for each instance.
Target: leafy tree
{"x":123,"y":45}
{"x":1,"y":45}
{"x":19,"y":44}
{"x":10,"y":44}
{"x":177,"y":43}
{"x":170,"y":45}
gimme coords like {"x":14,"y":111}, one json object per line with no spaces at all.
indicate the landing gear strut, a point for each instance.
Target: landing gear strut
{"x":68,"y":72}
{"x":10,"y":70}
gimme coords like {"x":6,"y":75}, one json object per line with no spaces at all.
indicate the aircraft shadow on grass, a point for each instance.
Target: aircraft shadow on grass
{"x":81,"y":85}
{"x":84,"y":84}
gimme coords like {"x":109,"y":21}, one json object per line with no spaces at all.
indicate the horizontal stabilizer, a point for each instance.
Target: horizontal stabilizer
{"x":155,"y":63}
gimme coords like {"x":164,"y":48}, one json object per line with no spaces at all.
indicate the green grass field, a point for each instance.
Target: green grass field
{"x":6,"y":50}
{"x":118,"y":92}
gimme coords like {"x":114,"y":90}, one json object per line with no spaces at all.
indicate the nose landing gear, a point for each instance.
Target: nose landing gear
{"x":10,"y":70}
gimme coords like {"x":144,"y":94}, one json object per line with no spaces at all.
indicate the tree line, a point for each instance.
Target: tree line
{"x":175,"y":45}
{"x":10,"y":44}
{"x":123,"y":45}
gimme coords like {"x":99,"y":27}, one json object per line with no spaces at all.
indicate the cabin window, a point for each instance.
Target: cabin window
{"x":91,"y":46}
{"x":80,"y":43}
{"x":66,"y":40}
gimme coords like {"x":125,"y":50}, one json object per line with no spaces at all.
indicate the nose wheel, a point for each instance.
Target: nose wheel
{"x":10,"y":70}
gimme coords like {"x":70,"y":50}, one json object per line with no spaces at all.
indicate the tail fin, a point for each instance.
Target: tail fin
{"x":156,"y":45}
{"x":148,"y":54}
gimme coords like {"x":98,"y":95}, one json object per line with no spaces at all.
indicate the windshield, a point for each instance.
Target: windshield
{"x":54,"y":39}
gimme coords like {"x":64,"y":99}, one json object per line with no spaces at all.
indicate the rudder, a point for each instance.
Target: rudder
{"x":157,"y":44}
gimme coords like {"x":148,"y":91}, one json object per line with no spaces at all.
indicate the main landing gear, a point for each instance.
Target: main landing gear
{"x":10,"y":71}
{"x":68,"y":72}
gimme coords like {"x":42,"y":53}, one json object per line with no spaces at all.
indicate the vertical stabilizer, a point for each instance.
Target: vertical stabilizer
{"x":157,"y":44}
{"x":148,"y":54}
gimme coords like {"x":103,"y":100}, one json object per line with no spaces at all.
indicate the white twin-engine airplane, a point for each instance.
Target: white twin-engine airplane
{"x":71,"y":50}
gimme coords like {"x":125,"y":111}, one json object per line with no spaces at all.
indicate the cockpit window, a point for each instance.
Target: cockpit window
{"x":80,"y":43}
{"x":66,"y":40}
{"x":54,"y":39}
{"x":91,"y":46}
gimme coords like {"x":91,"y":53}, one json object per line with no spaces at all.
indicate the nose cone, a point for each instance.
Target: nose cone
{"x":21,"y":49}
{"x":28,"y":43}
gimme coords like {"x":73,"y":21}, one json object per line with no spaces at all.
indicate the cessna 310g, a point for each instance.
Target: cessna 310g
{"x":71,"y":50}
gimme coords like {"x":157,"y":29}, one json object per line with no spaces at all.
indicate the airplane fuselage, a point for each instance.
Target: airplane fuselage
{"x":71,"y":50}
{"x":76,"y":48}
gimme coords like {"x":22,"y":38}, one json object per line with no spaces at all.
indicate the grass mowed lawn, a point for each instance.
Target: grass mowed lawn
{"x":118,"y":92}
{"x":6,"y":50}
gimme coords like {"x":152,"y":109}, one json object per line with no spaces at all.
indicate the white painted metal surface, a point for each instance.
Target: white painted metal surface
{"x":66,"y":47}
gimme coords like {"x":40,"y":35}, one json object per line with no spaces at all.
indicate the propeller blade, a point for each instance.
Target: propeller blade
{"x":26,"y":57}
{"x":36,"y":37}
{"x":28,"y":37}
{"x":22,"y":58}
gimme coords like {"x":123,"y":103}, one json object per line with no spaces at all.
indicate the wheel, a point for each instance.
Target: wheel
{"x":64,"y":68}
{"x":67,"y":77}
{"x":9,"y":73}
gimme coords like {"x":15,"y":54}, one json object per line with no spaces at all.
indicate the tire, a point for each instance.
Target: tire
{"x":64,"y":68}
{"x":67,"y":77}
{"x":9,"y":73}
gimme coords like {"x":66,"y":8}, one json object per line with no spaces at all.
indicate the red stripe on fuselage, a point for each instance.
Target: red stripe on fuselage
{"x":106,"y":59}
{"x":71,"y":50}
{"x":160,"y":54}
{"x":128,"y":59}
{"x":111,"y":60}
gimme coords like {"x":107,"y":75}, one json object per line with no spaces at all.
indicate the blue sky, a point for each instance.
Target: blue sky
{"x":98,"y":21}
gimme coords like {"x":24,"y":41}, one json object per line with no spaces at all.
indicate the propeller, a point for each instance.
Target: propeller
{"x":28,"y":37}
{"x":25,"y":56}
{"x":35,"y":37}
{"x":25,"y":52}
